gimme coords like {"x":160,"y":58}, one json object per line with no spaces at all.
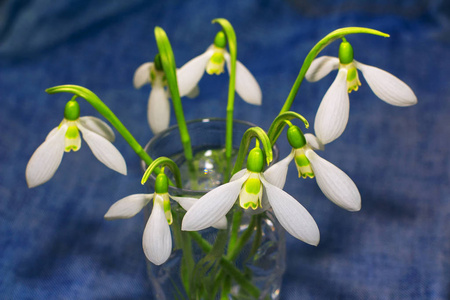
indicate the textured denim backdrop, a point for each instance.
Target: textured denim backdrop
{"x":54,"y":243}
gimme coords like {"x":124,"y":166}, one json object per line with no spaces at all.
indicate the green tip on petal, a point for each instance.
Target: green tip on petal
{"x":161,"y":184}
{"x":255,"y":160}
{"x":157,"y":62}
{"x":295,"y":137}
{"x":72,"y":110}
{"x":220,"y":40}
{"x":345,"y":52}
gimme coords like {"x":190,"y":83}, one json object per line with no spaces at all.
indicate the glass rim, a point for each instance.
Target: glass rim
{"x":184,"y":191}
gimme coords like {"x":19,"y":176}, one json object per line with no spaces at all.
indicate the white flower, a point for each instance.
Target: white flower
{"x":334,"y":183}
{"x":213,"y":61}
{"x":253,"y":191}
{"x":158,"y":111}
{"x":333,"y":112}
{"x":97,"y":134}
{"x":156,"y":240}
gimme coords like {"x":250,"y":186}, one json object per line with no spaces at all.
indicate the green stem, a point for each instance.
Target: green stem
{"x":169,"y":66}
{"x":183,"y":242}
{"x":253,"y":132}
{"x":236,"y":223}
{"x":165,"y":162}
{"x":242,"y":240}
{"x":331,"y":37}
{"x":227,"y":266}
{"x":258,"y":236}
{"x":104,"y":110}
{"x":280,"y":121}
{"x":232,"y":46}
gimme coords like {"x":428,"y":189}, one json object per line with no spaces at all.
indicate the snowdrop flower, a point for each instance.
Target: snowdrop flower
{"x":255,"y":192}
{"x":213,"y":62}
{"x":66,"y":137}
{"x":334,"y":183}
{"x":333,"y":112}
{"x":156,"y":240}
{"x":158,"y":109}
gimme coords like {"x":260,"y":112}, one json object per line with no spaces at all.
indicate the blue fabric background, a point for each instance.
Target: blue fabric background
{"x":54,"y":243}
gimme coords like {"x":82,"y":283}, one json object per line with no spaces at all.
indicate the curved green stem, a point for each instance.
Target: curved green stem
{"x":278,"y":124}
{"x":232,"y":46}
{"x":163,"y":162}
{"x":331,"y":37}
{"x":169,"y":66}
{"x":104,"y":110}
{"x":253,"y":132}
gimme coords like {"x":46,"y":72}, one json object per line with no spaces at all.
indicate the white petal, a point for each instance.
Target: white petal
{"x":320,"y":67}
{"x":103,"y":150}
{"x":128,"y":207}
{"x":221,"y":224}
{"x":98,"y":126}
{"x":142,"y":75}
{"x":334,"y":183}
{"x":314,"y":142}
{"x":292,"y":215}
{"x":213,"y":206}
{"x":387,"y":87}
{"x":238,"y":175}
{"x":187,"y":203}
{"x":158,"y":112}
{"x":276,"y":174}
{"x":193,"y":93}
{"x":246,"y":85}
{"x":190,"y":74}
{"x":332,"y":115}
{"x":52,"y":133}
{"x":46,"y":159}
{"x":157,"y":241}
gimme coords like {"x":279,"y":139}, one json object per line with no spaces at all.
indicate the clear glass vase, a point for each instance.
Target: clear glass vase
{"x":245,"y":261}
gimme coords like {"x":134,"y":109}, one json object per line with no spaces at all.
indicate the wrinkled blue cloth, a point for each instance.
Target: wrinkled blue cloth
{"x":54,"y":242}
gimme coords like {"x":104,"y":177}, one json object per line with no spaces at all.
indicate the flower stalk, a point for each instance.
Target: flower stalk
{"x":169,"y":66}
{"x":104,"y":110}
{"x":331,"y":37}
{"x":232,"y":46}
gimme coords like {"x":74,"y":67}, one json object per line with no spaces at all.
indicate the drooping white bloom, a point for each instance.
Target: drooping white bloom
{"x":66,"y":137}
{"x":253,"y":191}
{"x":158,"y":109}
{"x":334,"y":183}
{"x":332,"y":115}
{"x":157,"y":239}
{"x":212,"y":61}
